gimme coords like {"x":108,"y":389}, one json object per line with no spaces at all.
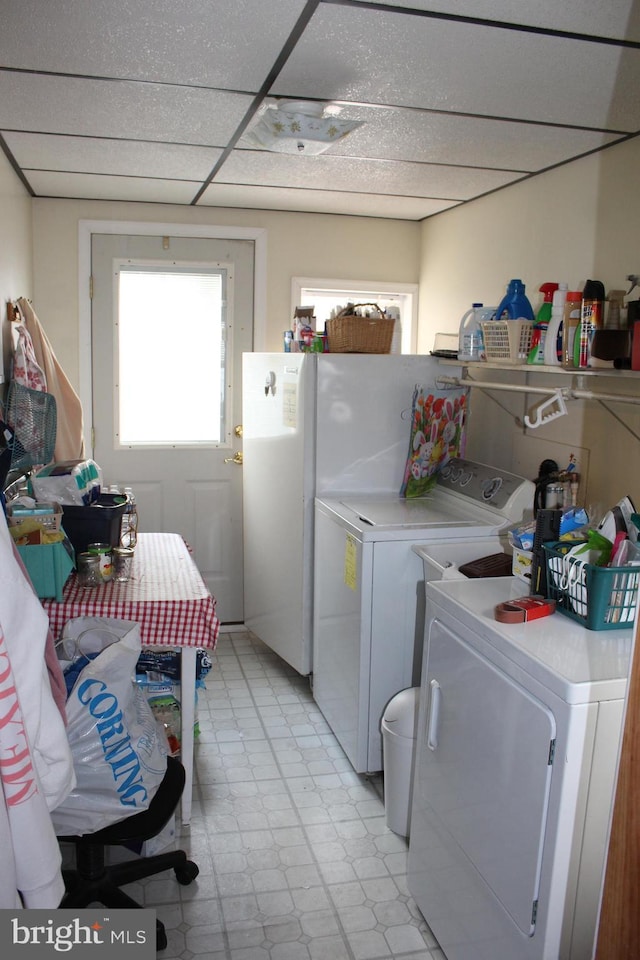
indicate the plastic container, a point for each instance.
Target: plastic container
{"x":570,"y":324}
{"x":507,"y":341}
{"x":543,"y":319}
{"x":48,"y":566}
{"x":515,"y":303}
{"x":470,"y":338}
{"x":600,"y":598}
{"x":552,"y":349}
{"x":399,"y":730}
{"x":97,"y":523}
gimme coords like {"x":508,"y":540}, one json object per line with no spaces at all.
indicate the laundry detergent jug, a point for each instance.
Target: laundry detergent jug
{"x":470,"y":339}
{"x":515,"y":304}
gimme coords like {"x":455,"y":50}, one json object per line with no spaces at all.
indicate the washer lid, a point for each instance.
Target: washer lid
{"x":422,"y":512}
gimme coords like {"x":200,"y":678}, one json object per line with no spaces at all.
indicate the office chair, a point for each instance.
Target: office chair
{"x":93,"y":881}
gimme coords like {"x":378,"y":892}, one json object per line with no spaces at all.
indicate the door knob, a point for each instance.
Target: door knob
{"x":236,"y":458}
{"x":238,"y":430}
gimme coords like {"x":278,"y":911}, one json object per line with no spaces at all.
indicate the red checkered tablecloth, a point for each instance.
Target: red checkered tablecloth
{"x":166,"y":595}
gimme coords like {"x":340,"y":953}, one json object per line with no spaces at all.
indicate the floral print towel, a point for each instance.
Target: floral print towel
{"x":437,"y":433}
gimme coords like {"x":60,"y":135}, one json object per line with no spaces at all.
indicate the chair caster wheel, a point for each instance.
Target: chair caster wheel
{"x":186,"y":873}
{"x":161,"y":936}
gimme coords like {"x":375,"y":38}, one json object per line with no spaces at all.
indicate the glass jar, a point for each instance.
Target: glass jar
{"x":122,"y":560}
{"x":103,"y":552}
{"x":88,"y":566}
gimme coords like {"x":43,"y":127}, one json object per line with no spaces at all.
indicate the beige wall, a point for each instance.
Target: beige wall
{"x":309,"y":245}
{"x":16,"y":266}
{"x":573,"y":223}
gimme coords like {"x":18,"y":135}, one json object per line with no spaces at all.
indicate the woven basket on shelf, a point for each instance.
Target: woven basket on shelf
{"x":349,"y":333}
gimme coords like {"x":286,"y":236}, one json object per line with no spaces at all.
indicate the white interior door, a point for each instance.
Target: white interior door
{"x":182,"y":472}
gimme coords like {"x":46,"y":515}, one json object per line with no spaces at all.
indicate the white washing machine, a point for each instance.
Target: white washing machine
{"x":369,"y":589}
{"x":516,"y":755}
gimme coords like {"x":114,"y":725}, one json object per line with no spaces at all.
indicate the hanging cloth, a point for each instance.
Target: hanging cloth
{"x":26,"y":369}
{"x":69,"y":437}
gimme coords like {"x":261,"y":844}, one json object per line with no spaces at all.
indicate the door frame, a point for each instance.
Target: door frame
{"x":86,"y":228}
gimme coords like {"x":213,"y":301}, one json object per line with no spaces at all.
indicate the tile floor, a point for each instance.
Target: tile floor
{"x":296,"y":861}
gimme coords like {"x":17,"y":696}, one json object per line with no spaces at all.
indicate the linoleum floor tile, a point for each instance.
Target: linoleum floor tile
{"x":296,"y":861}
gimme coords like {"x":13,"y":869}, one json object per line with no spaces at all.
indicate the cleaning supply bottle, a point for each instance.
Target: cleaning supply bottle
{"x":539,"y":333}
{"x":570,"y":324}
{"x":591,"y":319}
{"x":553,"y":339}
{"x":470,"y":339}
{"x":515,"y":304}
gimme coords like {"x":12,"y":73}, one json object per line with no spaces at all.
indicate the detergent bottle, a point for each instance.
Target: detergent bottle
{"x":470,"y":340}
{"x":543,"y":319}
{"x":553,"y":340}
{"x":515,"y":304}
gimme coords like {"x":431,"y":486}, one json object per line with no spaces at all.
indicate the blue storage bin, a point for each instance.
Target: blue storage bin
{"x":48,"y":566}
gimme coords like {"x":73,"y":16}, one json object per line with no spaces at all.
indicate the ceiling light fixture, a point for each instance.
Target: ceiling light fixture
{"x":298,"y":126}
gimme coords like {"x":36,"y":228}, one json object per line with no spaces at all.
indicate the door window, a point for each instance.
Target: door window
{"x":161,"y":340}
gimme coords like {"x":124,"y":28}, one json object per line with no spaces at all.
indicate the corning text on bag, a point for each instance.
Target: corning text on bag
{"x":116,"y":741}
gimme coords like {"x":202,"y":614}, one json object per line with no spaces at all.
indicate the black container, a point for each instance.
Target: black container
{"x":97,"y":523}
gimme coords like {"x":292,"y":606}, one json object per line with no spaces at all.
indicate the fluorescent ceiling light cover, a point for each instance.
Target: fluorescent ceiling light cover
{"x":298,"y":127}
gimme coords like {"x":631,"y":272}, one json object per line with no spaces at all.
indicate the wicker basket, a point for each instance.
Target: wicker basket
{"x":507,"y":341}
{"x":349,"y":333}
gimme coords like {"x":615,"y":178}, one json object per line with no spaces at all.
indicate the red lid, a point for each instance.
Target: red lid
{"x":574,"y":294}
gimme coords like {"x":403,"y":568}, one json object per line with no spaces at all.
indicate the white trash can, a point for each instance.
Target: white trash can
{"x":399,"y":730}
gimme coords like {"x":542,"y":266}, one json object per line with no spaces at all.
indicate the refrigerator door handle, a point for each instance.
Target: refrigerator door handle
{"x":434,"y":715}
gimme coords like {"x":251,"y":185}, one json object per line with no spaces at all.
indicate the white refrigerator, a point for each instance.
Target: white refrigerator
{"x":313,"y":424}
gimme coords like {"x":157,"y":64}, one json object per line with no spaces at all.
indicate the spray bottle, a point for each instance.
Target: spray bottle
{"x":539,"y":333}
{"x":553,"y":339}
{"x":591,"y":319}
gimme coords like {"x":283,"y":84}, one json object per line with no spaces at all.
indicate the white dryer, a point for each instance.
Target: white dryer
{"x":517,"y":747}
{"x":369,"y":589}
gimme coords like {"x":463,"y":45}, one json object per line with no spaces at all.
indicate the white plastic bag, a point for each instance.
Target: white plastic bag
{"x":119,"y":752}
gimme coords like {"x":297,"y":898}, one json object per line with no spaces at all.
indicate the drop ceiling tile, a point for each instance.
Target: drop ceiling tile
{"x":402,"y":134}
{"x":382,"y":56}
{"x":322,"y":201}
{"x":170,"y":161}
{"x":386,"y":177}
{"x":118,"y":108}
{"x":92,"y":187}
{"x":592,"y":17}
{"x":228,"y":45}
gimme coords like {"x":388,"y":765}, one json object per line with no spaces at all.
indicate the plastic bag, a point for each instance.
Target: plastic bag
{"x":72,"y":482}
{"x":119,"y":752}
{"x":437,"y":434}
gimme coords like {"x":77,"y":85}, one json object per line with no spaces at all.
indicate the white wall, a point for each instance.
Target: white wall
{"x":309,"y":245}
{"x":573,"y":223}
{"x":16,"y":264}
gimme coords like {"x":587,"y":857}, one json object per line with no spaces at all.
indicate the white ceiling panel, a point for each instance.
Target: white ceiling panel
{"x":150,"y":99}
{"x":386,"y":57}
{"x":201,"y":42}
{"x":593,"y":17}
{"x":127,"y":158}
{"x":90,"y":186}
{"x":361,"y":175}
{"x":322,"y":201}
{"x":402,"y":134}
{"x":119,"y":108}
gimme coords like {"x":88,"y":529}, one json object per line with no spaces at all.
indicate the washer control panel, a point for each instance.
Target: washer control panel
{"x":504,"y":492}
